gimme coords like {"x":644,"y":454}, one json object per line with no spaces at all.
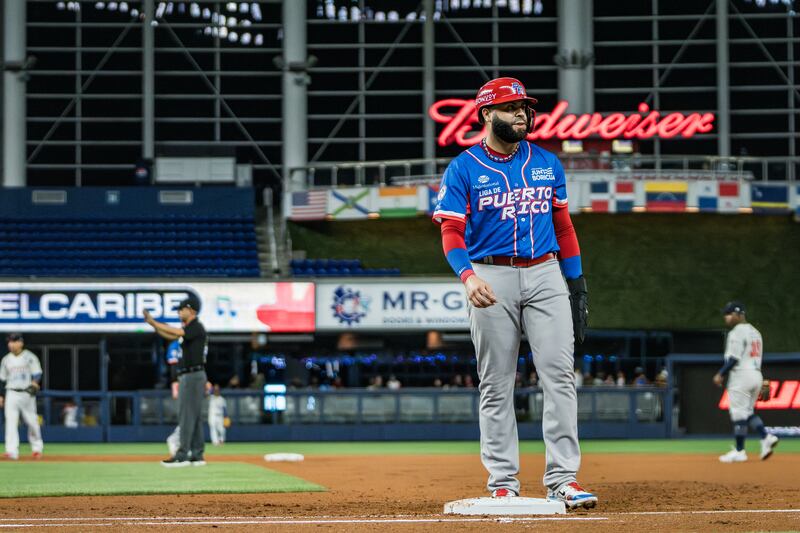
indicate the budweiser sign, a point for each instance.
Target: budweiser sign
{"x":459,"y":116}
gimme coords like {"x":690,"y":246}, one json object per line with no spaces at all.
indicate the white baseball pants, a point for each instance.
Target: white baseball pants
{"x":21,"y":404}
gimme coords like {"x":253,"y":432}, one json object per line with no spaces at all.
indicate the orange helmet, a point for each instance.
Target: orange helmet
{"x":500,"y":91}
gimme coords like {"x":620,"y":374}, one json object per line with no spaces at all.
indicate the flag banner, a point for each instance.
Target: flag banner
{"x":352,"y":203}
{"x":730,"y":197}
{"x":666,"y":196}
{"x":612,"y":197}
{"x":769,"y":198}
{"x":395,"y":202}
{"x":624,"y":196}
{"x":712,"y":196}
{"x":703,"y":195}
{"x":308,"y":205}
{"x":600,"y":197}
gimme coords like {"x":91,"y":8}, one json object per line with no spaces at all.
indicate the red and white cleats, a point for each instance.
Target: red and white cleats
{"x":503,"y":493}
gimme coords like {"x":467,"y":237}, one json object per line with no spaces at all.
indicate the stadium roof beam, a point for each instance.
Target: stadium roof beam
{"x":148,"y":82}
{"x":723,"y":81}
{"x":575,"y":57}
{"x":294,"y":63}
{"x":14,"y":83}
{"x":428,"y":84}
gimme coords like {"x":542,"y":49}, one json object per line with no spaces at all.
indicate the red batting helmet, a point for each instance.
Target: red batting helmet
{"x":500,"y":91}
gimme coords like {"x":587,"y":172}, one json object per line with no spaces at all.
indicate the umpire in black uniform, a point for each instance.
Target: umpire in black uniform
{"x":191,"y":381}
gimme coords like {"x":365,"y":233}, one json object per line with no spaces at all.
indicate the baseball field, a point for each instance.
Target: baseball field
{"x":642,"y":485}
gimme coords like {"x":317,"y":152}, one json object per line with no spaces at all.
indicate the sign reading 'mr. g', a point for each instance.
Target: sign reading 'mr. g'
{"x":87,"y":306}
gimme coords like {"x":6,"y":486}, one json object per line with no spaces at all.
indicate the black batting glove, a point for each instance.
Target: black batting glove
{"x":579,"y":301}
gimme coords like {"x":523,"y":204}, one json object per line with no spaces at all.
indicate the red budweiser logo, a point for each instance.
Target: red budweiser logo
{"x":784,"y":395}
{"x":459,"y":116}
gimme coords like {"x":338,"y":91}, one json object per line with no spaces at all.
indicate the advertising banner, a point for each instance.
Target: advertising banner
{"x":118,"y":307}
{"x":703,"y":407}
{"x":382,"y":305}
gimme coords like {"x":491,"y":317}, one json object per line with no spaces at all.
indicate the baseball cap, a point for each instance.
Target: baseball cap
{"x":14,"y":337}
{"x":192,"y":302}
{"x":733,"y":307}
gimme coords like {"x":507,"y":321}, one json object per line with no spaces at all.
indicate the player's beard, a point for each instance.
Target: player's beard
{"x":505,"y":131}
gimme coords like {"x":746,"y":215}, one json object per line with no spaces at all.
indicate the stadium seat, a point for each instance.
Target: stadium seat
{"x":180,"y":245}
{"x":337,"y":268}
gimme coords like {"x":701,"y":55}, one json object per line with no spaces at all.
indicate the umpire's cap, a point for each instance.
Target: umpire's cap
{"x":733,"y":307}
{"x":14,"y":337}
{"x":192,"y":302}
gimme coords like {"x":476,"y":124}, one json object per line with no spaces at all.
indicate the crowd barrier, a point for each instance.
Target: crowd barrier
{"x":349,"y":414}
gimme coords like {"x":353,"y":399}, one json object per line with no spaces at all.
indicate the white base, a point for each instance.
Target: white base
{"x":279,"y":457}
{"x":504,"y":506}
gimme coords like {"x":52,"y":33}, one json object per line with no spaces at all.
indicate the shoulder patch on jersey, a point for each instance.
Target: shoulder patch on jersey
{"x":542,"y":174}
{"x":442,"y":192}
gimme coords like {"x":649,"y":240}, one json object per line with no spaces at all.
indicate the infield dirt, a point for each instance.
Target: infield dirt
{"x":687,"y":493}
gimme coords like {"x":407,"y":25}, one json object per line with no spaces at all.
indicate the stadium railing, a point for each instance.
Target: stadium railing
{"x":411,"y":171}
{"x":422,"y":413}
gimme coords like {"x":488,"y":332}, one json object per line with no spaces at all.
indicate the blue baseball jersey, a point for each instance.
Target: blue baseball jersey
{"x":507,"y":204}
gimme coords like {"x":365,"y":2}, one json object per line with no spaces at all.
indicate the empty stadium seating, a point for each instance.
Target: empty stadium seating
{"x":321,"y":268}
{"x":169,"y":246}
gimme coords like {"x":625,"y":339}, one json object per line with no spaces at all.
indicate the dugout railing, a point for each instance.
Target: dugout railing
{"x":347,"y":414}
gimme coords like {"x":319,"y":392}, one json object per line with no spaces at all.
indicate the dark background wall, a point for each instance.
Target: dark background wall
{"x":666,"y":272}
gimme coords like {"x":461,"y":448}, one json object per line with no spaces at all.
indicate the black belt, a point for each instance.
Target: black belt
{"x":19,"y":390}
{"x":195,"y":368}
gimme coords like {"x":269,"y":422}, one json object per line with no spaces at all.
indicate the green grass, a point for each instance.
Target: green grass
{"x":411,"y":448}
{"x":34,"y":479}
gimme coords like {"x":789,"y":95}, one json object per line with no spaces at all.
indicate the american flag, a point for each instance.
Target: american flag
{"x":309,"y":205}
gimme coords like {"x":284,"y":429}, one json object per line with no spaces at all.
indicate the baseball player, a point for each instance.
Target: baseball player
{"x":21,"y":372}
{"x":218,"y":419}
{"x":507,"y":234}
{"x":743,"y":351}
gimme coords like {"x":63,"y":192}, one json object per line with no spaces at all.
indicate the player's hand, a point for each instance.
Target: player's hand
{"x":148,"y":317}
{"x":766,"y":392}
{"x":35,"y":386}
{"x":479,"y":293}
{"x":717,"y":380}
{"x":2,"y":401}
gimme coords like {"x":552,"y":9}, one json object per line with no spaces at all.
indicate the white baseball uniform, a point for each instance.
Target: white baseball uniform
{"x":744,"y":344}
{"x":17,"y":371}
{"x":217,"y":410}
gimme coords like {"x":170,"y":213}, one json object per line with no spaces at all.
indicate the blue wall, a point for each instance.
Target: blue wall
{"x":131,"y":202}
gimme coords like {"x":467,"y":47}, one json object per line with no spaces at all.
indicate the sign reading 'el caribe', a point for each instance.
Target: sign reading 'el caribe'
{"x":459,"y":117}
